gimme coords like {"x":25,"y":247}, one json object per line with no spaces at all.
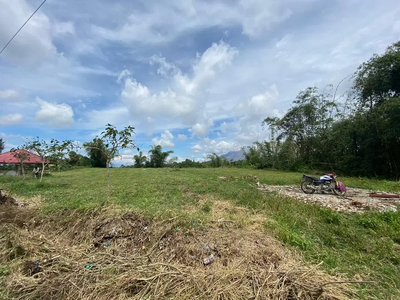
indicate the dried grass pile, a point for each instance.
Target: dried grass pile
{"x":95,"y":255}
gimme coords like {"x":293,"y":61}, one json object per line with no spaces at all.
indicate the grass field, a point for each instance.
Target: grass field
{"x":359,"y":247}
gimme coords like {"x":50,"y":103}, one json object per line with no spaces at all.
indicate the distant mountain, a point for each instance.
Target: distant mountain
{"x":234,"y":155}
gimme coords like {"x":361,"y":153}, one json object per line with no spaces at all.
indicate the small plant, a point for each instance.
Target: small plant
{"x":207,"y":206}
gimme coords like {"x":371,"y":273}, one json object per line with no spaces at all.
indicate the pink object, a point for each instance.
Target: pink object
{"x":341,"y":186}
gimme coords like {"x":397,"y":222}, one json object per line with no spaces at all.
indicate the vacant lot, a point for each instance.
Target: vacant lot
{"x":147,"y":237}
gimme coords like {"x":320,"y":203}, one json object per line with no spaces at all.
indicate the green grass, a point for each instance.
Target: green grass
{"x":355,"y":245}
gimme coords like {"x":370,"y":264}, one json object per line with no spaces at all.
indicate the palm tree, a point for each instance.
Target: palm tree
{"x":139,"y":160}
{"x":158,"y":157}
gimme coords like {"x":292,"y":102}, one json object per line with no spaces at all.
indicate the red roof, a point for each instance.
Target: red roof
{"x":9,"y":158}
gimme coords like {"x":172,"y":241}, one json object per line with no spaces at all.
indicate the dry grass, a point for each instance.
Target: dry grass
{"x":109,"y":254}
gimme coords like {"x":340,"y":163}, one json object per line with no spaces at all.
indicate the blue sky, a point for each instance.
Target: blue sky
{"x":193,"y":76}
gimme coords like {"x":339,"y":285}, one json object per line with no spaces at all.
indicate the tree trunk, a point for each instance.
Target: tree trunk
{"x":41,"y":174}
{"x":108,"y":181}
{"x":23,"y":171}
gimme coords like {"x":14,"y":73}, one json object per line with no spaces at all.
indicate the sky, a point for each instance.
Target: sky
{"x":192,"y":76}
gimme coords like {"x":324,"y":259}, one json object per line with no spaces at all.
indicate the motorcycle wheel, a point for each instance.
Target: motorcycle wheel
{"x":305,"y":188}
{"x":337,"y":191}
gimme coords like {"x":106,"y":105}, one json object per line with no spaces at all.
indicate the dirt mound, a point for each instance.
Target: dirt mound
{"x":7,"y":200}
{"x":129,"y":256}
{"x":130,"y":227}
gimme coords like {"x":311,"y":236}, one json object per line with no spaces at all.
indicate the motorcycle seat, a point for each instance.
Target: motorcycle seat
{"x":311,"y":177}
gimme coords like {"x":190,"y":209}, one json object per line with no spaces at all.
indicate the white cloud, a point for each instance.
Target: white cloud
{"x":219,"y":147}
{"x":54,"y":115}
{"x":124,"y":74}
{"x":97,"y":119}
{"x":225,"y":127}
{"x":197,"y":148}
{"x":8,"y":94}
{"x":184,"y":100}
{"x":283,"y":41}
{"x":165,"y":140}
{"x":259,"y":105}
{"x":165,"y":68}
{"x":124,"y":159}
{"x":202,"y":129}
{"x":259,"y":15}
{"x":182,"y":137}
{"x":166,"y":21}
{"x":11,"y":119}
{"x":63,"y":28}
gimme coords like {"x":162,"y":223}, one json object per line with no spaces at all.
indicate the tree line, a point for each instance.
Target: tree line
{"x":358,"y":137}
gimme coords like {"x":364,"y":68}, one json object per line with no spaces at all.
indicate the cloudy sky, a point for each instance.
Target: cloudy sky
{"x":193,"y":76}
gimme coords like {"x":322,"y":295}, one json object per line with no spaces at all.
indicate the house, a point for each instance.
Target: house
{"x":13,"y":158}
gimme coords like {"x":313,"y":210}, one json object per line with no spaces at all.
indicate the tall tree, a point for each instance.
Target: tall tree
{"x":95,"y":150}
{"x":73,"y":158}
{"x":76,"y":159}
{"x":378,"y":79}
{"x":217,"y":161}
{"x":2,"y":145}
{"x":139,"y":160}
{"x":305,"y":122}
{"x":158,"y":157}
{"x":377,"y":91}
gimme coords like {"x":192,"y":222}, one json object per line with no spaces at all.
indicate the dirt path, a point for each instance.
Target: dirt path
{"x":355,"y":200}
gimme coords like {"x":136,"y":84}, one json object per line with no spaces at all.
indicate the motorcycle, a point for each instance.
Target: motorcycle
{"x":326,"y":183}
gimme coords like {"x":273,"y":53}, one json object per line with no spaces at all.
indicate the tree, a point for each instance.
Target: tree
{"x":140,"y":160}
{"x":217,"y":161}
{"x":42,"y":149}
{"x":21,"y":156}
{"x":378,"y":79}
{"x":58,"y":151}
{"x":306,"y":122}
{"x":111,"y":141}
{"x":96,"y":150}
{"x":377,"y":98}
{"x":53,"y":150}
{"x":173,"y":162}
{"x":76,"y":159}
{"x":158,"y":157}
{"x":73,"y":158}
{"x":1,"y":145}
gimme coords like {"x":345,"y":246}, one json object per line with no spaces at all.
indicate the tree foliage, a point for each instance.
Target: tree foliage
{"x":158,"y":157}
{"x":21,"y":156}
{"x":314,"y":134}
{"x":2,"y":145}
{"x":217,"y":161}
{"x":107,"y":146}
{"x":378,"y":79}
{"x":95,"y":150}
{"x":58,"y":152}
{"x":76,"y":159}
{"x":140,"y":160}
{"x":47,"y":150}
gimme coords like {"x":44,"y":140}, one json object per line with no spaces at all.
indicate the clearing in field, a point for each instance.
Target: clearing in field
{"x":180,"y":234}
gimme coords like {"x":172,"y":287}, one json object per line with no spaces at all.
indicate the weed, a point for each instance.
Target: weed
{"x":207,"y":206}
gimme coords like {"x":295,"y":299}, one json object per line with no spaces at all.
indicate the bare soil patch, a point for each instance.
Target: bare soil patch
{"x":355,"y":200}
